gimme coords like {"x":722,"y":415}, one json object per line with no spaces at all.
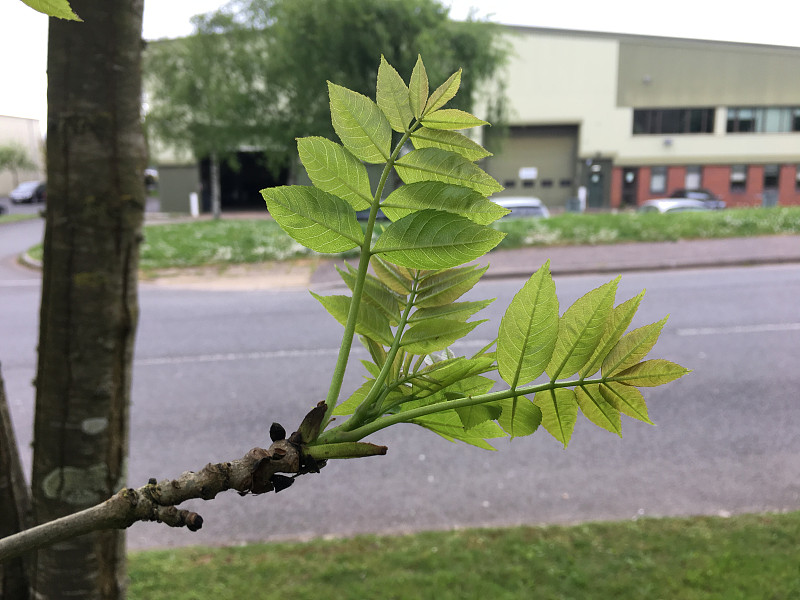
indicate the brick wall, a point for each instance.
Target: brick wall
{"x":616,"y":187}
{"x":676,"y":179}
{"x":788,"y":194}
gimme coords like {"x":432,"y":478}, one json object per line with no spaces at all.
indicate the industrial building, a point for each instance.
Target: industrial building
{"x":26,"y":134}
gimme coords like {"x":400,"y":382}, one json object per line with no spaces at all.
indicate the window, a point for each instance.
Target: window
{"x":797,"y":179}
{"x":510,"y":183}
{"x":738,"y":178}
{"x":528,"y":183}
{"x":771,"y":173}
{"x":693,"y":177}
{"x":673,"y":121}
{"x":763,"y":120}
{"x":547,"y":183}
{"x":658,"y":180}
{"x":565,"y":183}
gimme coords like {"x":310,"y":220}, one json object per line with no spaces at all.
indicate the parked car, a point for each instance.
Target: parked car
{"x":2,"y":209}
{"x":29,"y":191}
{"x":673,"y":205}
{"x":706,"y":196}
{"x":523,"y":206}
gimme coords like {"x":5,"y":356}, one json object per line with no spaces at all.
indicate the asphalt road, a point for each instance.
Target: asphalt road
{"x":214,"y":369}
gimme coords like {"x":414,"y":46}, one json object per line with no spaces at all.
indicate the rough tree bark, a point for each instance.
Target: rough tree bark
{"x":89,"y":311}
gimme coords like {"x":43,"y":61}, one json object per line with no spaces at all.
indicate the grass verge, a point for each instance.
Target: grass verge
{"x":17,"y":217}
{"x":744,"y":557}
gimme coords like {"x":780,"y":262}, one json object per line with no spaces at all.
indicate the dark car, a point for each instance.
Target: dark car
{"x":29,"y":191}
{"x":711,"y":199}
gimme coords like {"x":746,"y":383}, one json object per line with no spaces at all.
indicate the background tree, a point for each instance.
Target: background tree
{"x":14,"y":158}
{"x":89,"y":310}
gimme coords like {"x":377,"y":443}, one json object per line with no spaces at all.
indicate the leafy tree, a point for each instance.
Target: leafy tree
{"x":544,"y":367}
{"x":254,"y":73}
{"x":15,"y":158}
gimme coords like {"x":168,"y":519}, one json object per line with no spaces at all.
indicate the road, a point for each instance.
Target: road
{"x":214,"y":369}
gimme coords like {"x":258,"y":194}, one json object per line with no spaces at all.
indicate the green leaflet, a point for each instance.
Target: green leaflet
{"x":397,"y":279}
{"x":559,"y":412}
{"x":377,"y":294}
{"x":615,"y":327}
{"x":520,"y":416}
{"x":392,"y":97}
{"x":451,"y":118}
{"x":595,"y":407}
{"x":453,"y":141}
{"x":349,"y":406}
{"x":444,"y":93}
{"x":457,"y":311}
{"x":418,"y":88}
{"x":54,"y":8}
{"x":580,"y":329}
{"x":443,"y":374}
{"x":632,"y":348}
{"x":472,"y":416}
{"x":651,"y":373}
{"x":626,"y":399}
{"x":528,"y":330}
{"x":316,"y":219}
{"x":434,"y":335}
{"x":448,"y":425}
{"x":441,"y":196}
{"x":334,"y":169}
{"x":433,"y":164}
{"x":430,"y":239}
{"x":360,"y":124}
{"x":439,"y":289}
{"x":371,"y":322}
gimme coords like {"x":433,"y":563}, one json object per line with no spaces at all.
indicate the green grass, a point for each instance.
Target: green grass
{"x":18,"y":217}
{"x":741,"y":558}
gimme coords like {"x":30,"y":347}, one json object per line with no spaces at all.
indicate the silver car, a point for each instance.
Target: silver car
{"x":523,"y":206}
{"x":672,"y":205}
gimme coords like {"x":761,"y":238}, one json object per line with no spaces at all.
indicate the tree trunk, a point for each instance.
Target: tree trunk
{"x":216,"y":194}
{"x":14,"y":505}
{"x":89,"y":311}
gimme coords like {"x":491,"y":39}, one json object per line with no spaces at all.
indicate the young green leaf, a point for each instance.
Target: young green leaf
{"x":444,"y":287}
{"x":371,"y":322}
{"x":456,"y":311}
{"x":472,"y":416}
{"x":397,"y":279}
{"x":528,"y":330}
{"x":443,"y":374}
{"x":434,"y":335}
{"x":595,"y":407}
{"x":444,"y":93}
{"x":334,"y":169}
{"x":626,"y":399}
{"x":453,"y":141}
{"x":615,"y":327}
{"x":316,"y":219}
{"x":431,"y":239}
{"x":559,"y":412}
{"x":632,"y":348}
{"x":375,"y":293}
{"x":451,"y":118}
{"x":349,"y":406}
{"x":392,"y":97}
{"x":520,"y":416}
{"x":580,"y":329}
{"x":651,"y":373}
{"x":446,"y":197}
{"x":54,"y":8}
{"x":360,"y":124}
{"x":433,"y":164}
{"x":418,"y":88}
{"x":448,"y":425}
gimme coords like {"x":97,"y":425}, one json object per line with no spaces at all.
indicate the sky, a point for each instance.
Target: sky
{"x":23,"y":32}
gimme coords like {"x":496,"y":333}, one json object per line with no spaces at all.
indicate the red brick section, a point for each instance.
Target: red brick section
{"x":717,"y":179}
{"x":676,"y":179}
{"x":643,"y":193}
{"x":788,"y":193}
{"x":616,"y":187}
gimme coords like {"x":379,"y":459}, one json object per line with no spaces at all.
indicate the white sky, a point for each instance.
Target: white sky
{"x":23,"y":32}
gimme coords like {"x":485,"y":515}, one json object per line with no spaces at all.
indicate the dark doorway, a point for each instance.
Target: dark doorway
{"x":241,"y":179}
{"x":630,"y":184}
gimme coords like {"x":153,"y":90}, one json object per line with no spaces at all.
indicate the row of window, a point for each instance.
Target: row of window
{"x":738,"y":178}
{"x":672,"y":121}
{"x":544,"y":183}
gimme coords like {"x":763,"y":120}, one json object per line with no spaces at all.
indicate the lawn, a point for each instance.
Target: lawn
{"x":739,"y":558}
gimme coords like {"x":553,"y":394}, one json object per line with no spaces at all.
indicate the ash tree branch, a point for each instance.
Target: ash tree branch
{"x":253,"y":473}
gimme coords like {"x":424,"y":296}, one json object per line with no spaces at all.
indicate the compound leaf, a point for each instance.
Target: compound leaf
{"x":397,"y":279}
{"x":451,"y":118}
{"x":615,"y":327}
{"x":528,"y":330}
{"x":626,"y":399}
{"x":434,"y":164}
{"x":595,"y":407}
{"x":375,"y":293}
{"x":444,"y":93}
{"x":448,"y":425}
{"x":371,"y":322}
{"x":447,"y":286}
{"x":334,"y":169}
{"x":580,"y":329}
{"x":316,"y":219}
{"x":425,"y":137}
{"x":632,"y":348}
{"x":360,"y":124}
{"x":434,"y":335}
{"x":431,"y":239}
{"x":458,"y":311}
{"x":559,"y":412}
{"x":446,"y":197}
{"x":651,"y":373}
{"x":392,"y":97}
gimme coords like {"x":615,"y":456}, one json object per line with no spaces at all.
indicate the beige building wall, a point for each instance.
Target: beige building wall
{"x":26,"y":133}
